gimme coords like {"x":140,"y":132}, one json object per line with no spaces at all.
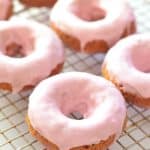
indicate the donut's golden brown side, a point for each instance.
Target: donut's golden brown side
{"x":8,"y":86}
{"x":131,"y":29}
{"x":129,"y":97}
{"x":67,"y":39}
{"x":103,"y":145}
{"x":91,"y":47}
{"x":96,"y":46}
{"x":72,"y":42}
{"x":38,"y":3}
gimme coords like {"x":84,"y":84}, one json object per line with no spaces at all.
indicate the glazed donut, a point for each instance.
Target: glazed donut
{"x":39,"y":50}
{"x":38,"y":3}
{"x":98,"y":100}
{"x":128,"y":65}
{"x":6,"y":9}
{"x":92,"y":25}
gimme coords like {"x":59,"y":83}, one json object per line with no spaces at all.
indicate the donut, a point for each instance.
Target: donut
{"x":127,"y":65}
{"x":29,"y":52}
{"x":6,"y":9}
{"x":38,"y":3}
{"x":96,"y":99}
{"x":92,"y":26}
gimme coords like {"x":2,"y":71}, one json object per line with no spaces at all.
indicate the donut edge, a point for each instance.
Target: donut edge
{"x":8,"y":86}
{"x":91,"y":47}
{"x":38,"y":3}
{"x":95,"y":46}
{"x":103,"y":145}
{"x":129,"y":97}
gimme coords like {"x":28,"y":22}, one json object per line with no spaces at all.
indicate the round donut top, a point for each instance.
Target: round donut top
{"x":4,"y":8}
{"x":129,"y":63}
{"x":41,"y":48}
{"x":89,"y":20}
{"x":97,"y":99}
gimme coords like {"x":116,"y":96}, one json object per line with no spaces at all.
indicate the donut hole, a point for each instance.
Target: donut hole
{"x":88,"y":10}
{"x":76,"y":99}
{"x":14,"y":50}
{"x":141,"y":57}
{"x":76,"y":110}
{"x":16,"y":42}
{"x":76,"y":115}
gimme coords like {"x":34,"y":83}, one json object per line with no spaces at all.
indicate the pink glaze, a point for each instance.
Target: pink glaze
{"x":129,"y":63}
{"x":43,"y":50}
{"x":101,"y":104}
{"x":74,"y":17}
{"x":4,"y":7}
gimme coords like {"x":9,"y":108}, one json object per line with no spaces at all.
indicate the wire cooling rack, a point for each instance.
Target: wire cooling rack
{"x":14,"y":134}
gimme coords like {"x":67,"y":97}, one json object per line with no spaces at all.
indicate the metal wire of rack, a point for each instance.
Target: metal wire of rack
{"x":14,"y":134}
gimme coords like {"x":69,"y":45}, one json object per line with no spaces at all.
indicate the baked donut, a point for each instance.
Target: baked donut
{"x":92,"y":25}
{"x":29,"y":52}
{"x":6,"y":9}
{"x":98,"y":100}
{"x":127,"y":65}
{"x":38,"y":3}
